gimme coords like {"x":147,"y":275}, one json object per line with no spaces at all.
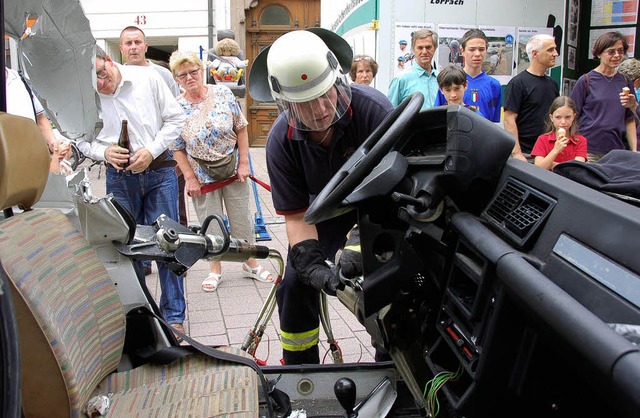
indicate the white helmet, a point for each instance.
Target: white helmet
{"x":305,"y":78}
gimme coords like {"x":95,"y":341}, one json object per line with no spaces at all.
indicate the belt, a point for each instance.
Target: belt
{"x":162,"y":161}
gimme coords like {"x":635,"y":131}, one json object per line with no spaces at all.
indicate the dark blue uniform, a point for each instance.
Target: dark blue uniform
{"x":298,"y":171}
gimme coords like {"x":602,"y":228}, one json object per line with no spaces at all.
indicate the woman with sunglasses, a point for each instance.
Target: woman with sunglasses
{"x":363,"y":69}
{"x":603,"y":105}
{"x":213,"y":147}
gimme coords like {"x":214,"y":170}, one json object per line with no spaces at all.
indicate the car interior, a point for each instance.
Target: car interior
{"x":519,"y":283}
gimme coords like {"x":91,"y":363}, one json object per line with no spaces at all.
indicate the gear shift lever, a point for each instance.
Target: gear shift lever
{"x":345,"y":390}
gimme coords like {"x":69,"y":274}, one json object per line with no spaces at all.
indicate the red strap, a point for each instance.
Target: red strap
{"x":261,"y":183}
{"x":220,"y":184}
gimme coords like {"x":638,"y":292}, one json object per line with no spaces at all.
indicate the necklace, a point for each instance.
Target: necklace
{"x":325,"y":136}
{"x":607,"y":77}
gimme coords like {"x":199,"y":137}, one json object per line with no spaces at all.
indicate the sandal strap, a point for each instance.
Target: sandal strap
{"x":258,"y":273}
{"x":247,"y":268}
{"x":212,"y":280}
{"x":264,"y":273}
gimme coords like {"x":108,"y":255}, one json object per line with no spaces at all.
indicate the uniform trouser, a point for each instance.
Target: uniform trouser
{"x":299,"y":304}
{"x":146,"y":196}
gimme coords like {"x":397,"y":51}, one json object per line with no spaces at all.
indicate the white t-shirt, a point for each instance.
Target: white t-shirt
{"x":167,"y":77}
{"x":19,"y":102}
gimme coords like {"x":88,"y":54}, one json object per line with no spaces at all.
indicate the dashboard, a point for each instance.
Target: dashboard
{"x":522,"y":284}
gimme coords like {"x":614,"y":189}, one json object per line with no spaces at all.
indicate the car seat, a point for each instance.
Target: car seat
{"x":71,"y":322}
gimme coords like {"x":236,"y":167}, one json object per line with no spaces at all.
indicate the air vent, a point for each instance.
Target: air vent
{"x":518,"y":211}
{"x":506,"y":202}
{"x":521,"y":220}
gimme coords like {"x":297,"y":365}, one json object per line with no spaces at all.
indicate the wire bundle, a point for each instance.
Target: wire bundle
{"x":430,"y":395}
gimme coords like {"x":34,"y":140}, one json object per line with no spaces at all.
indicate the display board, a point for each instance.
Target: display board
{"x":597,"y":17}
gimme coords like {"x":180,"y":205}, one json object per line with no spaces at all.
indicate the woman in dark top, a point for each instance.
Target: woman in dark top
{"x":604,"y":114}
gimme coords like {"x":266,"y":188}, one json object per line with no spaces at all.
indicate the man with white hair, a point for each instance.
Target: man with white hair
{"x":529,"y":95}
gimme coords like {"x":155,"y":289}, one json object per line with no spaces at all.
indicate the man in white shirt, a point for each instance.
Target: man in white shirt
{"x":142,"y":179}
{"x":22,"y":102}
{"x":134,"y":46}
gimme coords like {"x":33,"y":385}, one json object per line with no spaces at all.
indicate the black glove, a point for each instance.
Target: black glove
{"x":308,"y":258}
{"x":350,"y":262}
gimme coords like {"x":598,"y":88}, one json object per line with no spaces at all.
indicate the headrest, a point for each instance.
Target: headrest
{"x":24,"y":162}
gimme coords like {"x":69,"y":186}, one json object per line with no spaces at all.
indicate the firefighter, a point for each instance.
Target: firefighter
{"x":322,"y":121}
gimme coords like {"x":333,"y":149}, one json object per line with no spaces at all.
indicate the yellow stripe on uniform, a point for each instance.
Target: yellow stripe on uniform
{"x":355,"y":248}
{"x":299,"y":341}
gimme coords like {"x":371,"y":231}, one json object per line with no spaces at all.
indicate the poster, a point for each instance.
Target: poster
{"x":566,"y":86}
{"x":613,"y":13}
{"x":524,"y":34}
{"x":571,"y":57}
{"x":573,"y":23}
{"x":499,"y":59}
{"x":403,"y":56}
{"x":629,"y":33}
{"x":449,"y":45}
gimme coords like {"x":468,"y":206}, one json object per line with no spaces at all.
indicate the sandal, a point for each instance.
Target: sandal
{"x":210,"y":284}
{"x":258,"y":273}
{"x":178,"y":327}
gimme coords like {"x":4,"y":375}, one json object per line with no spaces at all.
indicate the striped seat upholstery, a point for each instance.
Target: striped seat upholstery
{"x":71,"y":327}
{"x":195,"y":386}
{"x":70,"y":318}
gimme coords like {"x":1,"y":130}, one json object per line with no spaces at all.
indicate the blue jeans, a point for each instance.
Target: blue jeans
{"x":146,"y":196}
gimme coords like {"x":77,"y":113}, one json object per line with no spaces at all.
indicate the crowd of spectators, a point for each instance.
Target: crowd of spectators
{"x":603,"y":105}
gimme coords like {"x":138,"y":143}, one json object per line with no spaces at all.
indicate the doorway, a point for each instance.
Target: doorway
{"x":266,"y":22}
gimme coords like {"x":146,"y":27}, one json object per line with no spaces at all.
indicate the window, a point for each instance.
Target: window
{"x":275,"y":16}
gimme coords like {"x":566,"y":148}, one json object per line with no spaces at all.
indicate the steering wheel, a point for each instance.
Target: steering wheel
{"x":329,"y":203}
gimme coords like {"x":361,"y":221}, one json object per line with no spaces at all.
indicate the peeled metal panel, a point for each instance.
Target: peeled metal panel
{"x":57,"y":56}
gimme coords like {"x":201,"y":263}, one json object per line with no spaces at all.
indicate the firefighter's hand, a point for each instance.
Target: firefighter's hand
{"x":350,"y":263}
{"x":308,"y":259}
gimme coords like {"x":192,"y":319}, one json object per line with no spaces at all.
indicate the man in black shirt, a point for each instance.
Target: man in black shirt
{"x":529,"y":95}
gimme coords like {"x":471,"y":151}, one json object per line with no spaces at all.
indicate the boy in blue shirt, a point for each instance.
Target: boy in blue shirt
{"x":452,"y":81}
{"x":483,"y":91}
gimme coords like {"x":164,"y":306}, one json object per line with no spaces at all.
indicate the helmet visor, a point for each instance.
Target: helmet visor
{"x":322,"y":112}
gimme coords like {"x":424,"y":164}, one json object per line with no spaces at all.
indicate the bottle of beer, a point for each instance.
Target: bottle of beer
{"x":123,"y":141}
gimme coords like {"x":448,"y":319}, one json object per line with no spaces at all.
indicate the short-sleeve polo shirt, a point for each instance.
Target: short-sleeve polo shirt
{"x":299,"y":169}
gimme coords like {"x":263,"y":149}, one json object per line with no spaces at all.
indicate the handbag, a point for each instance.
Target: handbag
{"x":221,"y":169}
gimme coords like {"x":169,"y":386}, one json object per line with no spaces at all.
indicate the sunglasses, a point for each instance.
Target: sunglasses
{"x":612,"y":52}
{"x":365,"y":58}
{"x":192,"y":73}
